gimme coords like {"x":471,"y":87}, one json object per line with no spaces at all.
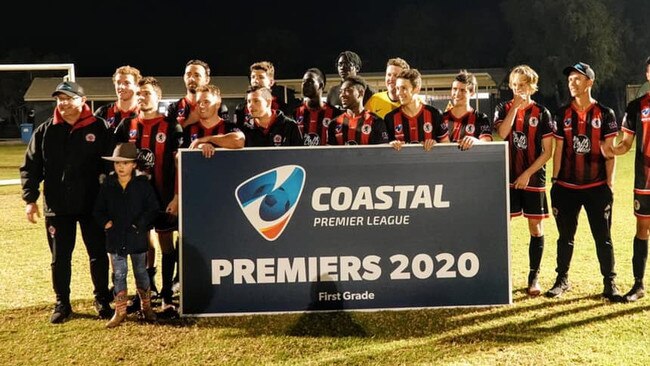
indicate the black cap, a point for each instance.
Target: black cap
{"x":581,"y":68}
{"x":69,"y":88}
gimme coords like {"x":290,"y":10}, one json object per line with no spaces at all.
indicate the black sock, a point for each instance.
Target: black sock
{"x":535,"y":250}
{"x":639,"y":258}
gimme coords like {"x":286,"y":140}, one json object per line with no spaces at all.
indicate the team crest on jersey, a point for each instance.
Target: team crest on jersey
{"x":269,"y":199}
{"x":567,"y":122}
{"x":581,"y":144}
{"x":351,"y":142}
{"x":469,"y":129}
{"x":311,"y":139}
{"x":277,"y":140}
{"x":133,"y":133}
{"x":427,"y":127}
{"x":520,"y":140}
{"x":398,"y":128}
{"x":533,"y":121}
{"x":596,"y":123}
{"x":161,"y":137}
{"x":91,"y":137}
{"x":637,"y":205}
{"x":366,"y":129}
{"x":326,"y":122}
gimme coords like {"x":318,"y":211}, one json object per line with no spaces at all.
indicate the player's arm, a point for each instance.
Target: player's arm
{"x":610,"y":163}
{"x":557,"y":157}
{"x":547,"y":151}
{"x":625,"y":144}
{"x":504,"y":126}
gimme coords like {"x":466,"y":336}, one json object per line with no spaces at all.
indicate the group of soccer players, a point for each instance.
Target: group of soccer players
{"x":583,"y":146}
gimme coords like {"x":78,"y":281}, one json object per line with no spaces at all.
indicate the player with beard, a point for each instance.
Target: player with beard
{"x":383,"y":102}
{"x":466,"y":125}
{"x":582,"y":176}
{"x":262,"y":74}
{"x":211,"y":130}
{"x":158,"y":138}
{"x":125,"y":81}
{"x":356,"y":126}
{"x":268,"y":127}
{"x":314,"y":115}
{"x":197,"y":73}
{"x":414,"y":122}
{"x":528,"y":128}
{"x":348,"y":63}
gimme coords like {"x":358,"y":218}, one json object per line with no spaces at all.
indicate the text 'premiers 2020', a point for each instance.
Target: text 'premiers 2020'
{"x":381,"y":198}
{"x":245,"y":271}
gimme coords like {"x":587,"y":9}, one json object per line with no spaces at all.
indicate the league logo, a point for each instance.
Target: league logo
{"x":398,"y":128}
{"x":567,"y":122}
{"x":645,"y":112}
{"x":269,"y":199}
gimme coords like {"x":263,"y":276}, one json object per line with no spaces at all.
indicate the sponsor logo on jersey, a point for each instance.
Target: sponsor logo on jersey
{"x":581,"y":144}
{"x":351,"y":142}
{"x":311,"y":139}
{"x":146,"y":158}
{"x":269,"y":199}
{"x":519,"y":140}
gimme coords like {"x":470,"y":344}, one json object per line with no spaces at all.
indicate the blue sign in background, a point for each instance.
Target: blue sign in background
{"x":455,"y":256}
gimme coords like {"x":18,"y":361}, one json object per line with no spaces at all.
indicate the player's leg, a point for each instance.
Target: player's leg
{"x":535,"y":209}
{"x":640,"y":246}
{"x":566,"y":208}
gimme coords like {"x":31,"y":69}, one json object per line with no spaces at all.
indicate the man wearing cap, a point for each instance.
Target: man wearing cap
{"x":65,"y":154}
{"x":582,"y":176}
{"x":635,"y":122}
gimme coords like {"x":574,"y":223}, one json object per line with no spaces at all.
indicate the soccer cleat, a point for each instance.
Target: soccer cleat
{"x":533,"y":288}
{"x":62,"y":310}
{"x":103,"y":309}
{"x":561,"y":286}
{"x":610,"y":291}
{"x":636,"y":293}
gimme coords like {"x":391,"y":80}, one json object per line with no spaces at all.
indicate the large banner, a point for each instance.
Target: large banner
{"x":343,"y":228}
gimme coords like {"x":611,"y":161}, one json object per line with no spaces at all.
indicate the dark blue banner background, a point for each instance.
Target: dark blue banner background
{"x":474,"y":183}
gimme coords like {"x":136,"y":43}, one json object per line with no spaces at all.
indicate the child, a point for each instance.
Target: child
{"x":126,"y":208}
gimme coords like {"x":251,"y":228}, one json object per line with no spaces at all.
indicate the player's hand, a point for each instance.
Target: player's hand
{"x":195,"y":144}
{"x":428,"y":144}
{"x":192,"y":118}
{"x":397,"y":144}
{"x":172,"y":207}
{"x":522,"y":181}
{"x":208,"y":150}
{"x":467,"y":142}
{"x":31,"y":210}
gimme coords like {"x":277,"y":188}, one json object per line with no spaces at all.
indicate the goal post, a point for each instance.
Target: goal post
{"x":41,"y":67}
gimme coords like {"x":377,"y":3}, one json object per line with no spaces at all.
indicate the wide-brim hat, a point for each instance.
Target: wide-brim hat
{"x":123,"y":152}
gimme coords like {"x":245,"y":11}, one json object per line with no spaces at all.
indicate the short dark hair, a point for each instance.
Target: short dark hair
{"x":357,"y":81}
{"x":150,"y":80}
{"x":412,"y":75}
{"x":350,"y":56}
{"x":321,"y":76}
{"x":468,"y":79}
{"x":199,"y":63}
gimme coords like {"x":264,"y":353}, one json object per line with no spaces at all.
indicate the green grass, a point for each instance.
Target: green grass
{"x":579,"y":328}
{"x":12,"y":158}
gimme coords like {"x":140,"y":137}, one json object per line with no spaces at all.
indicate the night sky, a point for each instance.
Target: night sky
{"x":158,"y":37}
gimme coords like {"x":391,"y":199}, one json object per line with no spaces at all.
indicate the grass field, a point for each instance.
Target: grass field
{"x":579,"y":328}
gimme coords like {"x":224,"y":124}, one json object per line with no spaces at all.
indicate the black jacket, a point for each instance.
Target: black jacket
{"x":132,"y":210}
{"x":67,"y":159}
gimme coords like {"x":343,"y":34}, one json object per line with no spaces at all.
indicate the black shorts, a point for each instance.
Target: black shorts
{"x":532,"y":204}
{"x":642,"y":206}
{"x":165,"y":222}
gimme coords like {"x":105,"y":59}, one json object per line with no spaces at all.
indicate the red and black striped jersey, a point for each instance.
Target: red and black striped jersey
{"x":281,"y":131}
{"x":313,"y":123}
{"x":363,"y":129}
{"x":425,"y":125}
{"x":198,"y":130}
{"x":530,"y":126}
{"x":158,"y":139}
{"x":113,"y":115}
{"x":472,"y":123}
{"x":182,"y":108}
{"x":583,"y":164}
{"x":637,"y":121}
